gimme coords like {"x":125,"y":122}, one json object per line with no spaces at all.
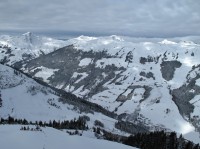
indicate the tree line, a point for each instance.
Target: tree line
{"x":159,"y":140}
{"x":79,"y":123}
{"x":150,"y":140}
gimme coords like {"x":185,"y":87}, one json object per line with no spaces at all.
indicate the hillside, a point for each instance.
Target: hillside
{"x":49,"y":138}
{"x":24,"y":98}
{"x":148,"y":84}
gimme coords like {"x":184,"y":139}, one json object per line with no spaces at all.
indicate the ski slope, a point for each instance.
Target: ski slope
{"x":14,"y":138}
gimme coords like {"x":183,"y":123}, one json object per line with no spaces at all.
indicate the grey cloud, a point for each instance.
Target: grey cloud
{"x":123,"y":17}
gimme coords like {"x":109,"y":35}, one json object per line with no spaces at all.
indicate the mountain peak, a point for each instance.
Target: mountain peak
{"x":165,"y":41}
{"x":29,"y":37}
{"x":115,"y":37}
{"x":86,"y":38}
{"x":27,"y":34}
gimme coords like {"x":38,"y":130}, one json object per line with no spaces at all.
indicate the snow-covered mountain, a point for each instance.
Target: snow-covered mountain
{"x":148,"y":82}
{"x":23,"y":98}
{"x":154,"y":83}
{"x":25,"y":47}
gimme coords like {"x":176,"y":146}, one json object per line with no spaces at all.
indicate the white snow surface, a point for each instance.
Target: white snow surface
{"x":14,"y":138}
{"x":85,"y":62}
{"x":45,"y":73}
{"x":198,"y":82}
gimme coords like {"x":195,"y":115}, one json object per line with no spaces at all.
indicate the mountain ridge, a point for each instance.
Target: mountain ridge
{"x":139,"y":81}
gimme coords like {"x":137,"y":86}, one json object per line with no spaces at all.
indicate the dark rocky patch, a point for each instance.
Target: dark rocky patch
{"x":168,"y":68}
{"x":147,"y":75}
{"x":183,"y":95}
{"x":129,"y":57}
{"x":149,"y":59}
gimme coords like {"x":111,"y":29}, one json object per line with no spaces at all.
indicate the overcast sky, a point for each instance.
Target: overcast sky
{"x":146,"y":18}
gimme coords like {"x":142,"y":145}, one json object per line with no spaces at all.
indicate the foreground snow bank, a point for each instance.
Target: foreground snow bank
{"x":49,"y":138}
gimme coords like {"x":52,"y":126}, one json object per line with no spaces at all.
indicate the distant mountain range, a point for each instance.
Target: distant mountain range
{"x":151,"y":84}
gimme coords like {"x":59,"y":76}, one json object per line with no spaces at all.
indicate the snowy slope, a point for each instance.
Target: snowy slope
{"x":186,"y":52}
{"x":150,"y":81}
{"x":25,"y":47}
{"x":23,"y":98}
{"x":50,"y":138}
{"x":139,"y":80}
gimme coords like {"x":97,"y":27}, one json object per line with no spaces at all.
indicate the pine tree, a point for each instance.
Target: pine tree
{"x":189,"y":145}
{"x":98,"y":130}
{"x":0,"y":100}
{"x":10,"y":120}
{"x":196,"y":146}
